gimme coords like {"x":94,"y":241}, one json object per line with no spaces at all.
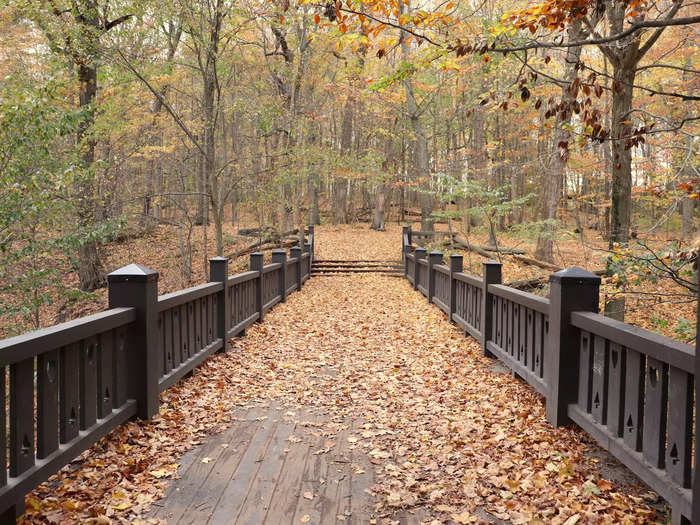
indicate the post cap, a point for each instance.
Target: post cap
{"x":419,"y":249}
{"x":436,"y":252}
{"x":295,"y":249}
{"x":575,"y":274}
{"x":491,"y":263}
{"x":218,"y":259}
{"x":456,"y":256}
{"x":132,"y":272}
{"x":256,"y":254}
{"x":279,"y":250}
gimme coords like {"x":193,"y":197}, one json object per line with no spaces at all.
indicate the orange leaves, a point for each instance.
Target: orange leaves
{"x":317,"y":19}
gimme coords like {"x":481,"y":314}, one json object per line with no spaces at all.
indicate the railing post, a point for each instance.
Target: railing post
{"x":434,"y":259}
{"x":456,"y":266}
{"x":405,"y":248}
{"x":280,"y":256}
{"x":313,"y":246}
{"x":307,"y":249}
{"x":218,"y":272}
{"x":570,"y":290}
{"x":418,"y":254}
{"x":296,"y":252}
{"x":256,"y":265}
{"x":491,"y":273}
{"x":137,"y":286}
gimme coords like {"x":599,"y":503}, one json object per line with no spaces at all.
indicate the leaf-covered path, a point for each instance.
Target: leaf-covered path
{"x":361,"y":368}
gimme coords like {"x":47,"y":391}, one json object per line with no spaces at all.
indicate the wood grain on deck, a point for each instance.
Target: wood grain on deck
{"x":273,"y":466}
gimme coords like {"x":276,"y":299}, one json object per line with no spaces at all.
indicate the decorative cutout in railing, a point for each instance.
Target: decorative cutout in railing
{"x":632,"y":390}
{"x":90,"y":375}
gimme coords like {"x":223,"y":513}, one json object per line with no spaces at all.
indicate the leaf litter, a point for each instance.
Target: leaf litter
{"x":444,"y":432}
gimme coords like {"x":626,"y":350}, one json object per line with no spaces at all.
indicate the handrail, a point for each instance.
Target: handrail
{"x":665,"y":349}
{"x":529,"y":300}
{"x":170,"y":300}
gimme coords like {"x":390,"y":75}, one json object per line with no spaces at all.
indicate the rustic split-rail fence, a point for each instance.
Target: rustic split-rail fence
{"x":70,"y":384}
{"x":632,"y":390}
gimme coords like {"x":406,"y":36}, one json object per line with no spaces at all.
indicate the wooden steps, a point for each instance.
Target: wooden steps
{"x":333,"y":266}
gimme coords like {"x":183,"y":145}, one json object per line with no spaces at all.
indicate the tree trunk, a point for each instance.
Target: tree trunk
{"x":379,"y":208}
{"x":621,"y":209}
{"x":90,"y":271}
{"x":554,"y":175}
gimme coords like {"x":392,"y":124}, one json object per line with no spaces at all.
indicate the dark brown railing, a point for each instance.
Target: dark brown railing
{"x":634,"y":391}
{"x":87,"y":376}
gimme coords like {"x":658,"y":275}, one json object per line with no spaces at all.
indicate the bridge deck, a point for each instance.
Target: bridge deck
{"x":274,"y":465}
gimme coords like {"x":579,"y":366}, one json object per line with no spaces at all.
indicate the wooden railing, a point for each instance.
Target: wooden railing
{"x":634,"y":391}
{"x":87,"y":376}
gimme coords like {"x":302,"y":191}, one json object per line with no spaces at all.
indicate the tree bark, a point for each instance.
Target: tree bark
{"x":553,"y":177}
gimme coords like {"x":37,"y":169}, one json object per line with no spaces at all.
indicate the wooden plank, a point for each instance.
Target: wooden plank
{"x":46,"y":403}
{"x":634,"y":399}
{"x":180,"y":335}
{"x":338,"y":490}
{"x":599,"y":383}
{"x":616,"y":389}
{"x":539,"y":344}
{"x":194,"y":471}
{"x":21,"y":416}
{"x":522,"y":336}
{"x":680,"y":426}
{"x":315,"y":470}
{"x":231,"y":502}
{"x":105,"y":374}
{"x":509,"y":328}
{"x":655,"y":409}
{"x":69,"y":398}
{"x":361,"y":483}
{"x":530,"y":342}
{"x":585,"y":371}
{"x":191,"y":332}
{"x":288,"y":489}
{"x":262,"y":489}
{"x":88,"y":383}
{"x":167,"y":347}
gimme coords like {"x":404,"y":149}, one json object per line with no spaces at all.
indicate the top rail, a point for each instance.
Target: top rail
{"x":529,"y":300}
{"x":242,"y":277}
{"x":469,"y":279}
{"x":18,"y":348}
{"x":170,"y":300}
{"x":665,"y":349}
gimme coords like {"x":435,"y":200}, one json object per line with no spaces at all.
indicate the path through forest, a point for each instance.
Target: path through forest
{"x":362,"y":363}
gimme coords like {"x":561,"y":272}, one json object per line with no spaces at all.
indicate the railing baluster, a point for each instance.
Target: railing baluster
{"x":616,"y":389}
{"x":585,"y":372}
{"x":599,"y":395}
{"x":46,"y":403}
{"x":634,"y":399}
{"x":105,"y":389}
{"x":88,"y":383}
{"x":680,"y":426}
{"x":655,"y":411}
{"x":69,"y":398}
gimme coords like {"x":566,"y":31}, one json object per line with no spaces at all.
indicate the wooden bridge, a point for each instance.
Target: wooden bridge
{"x":302,"y":458}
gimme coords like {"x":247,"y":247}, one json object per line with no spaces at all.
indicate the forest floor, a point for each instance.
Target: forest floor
{"x":660,"y":306}
{"x":451,"y":436}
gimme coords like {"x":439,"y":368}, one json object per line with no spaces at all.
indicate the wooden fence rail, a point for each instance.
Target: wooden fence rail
{"x":632,"y":390}
{"x":68,"y":385}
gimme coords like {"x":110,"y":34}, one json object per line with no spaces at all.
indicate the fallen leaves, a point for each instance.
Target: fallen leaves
{"x":442,"y":429}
